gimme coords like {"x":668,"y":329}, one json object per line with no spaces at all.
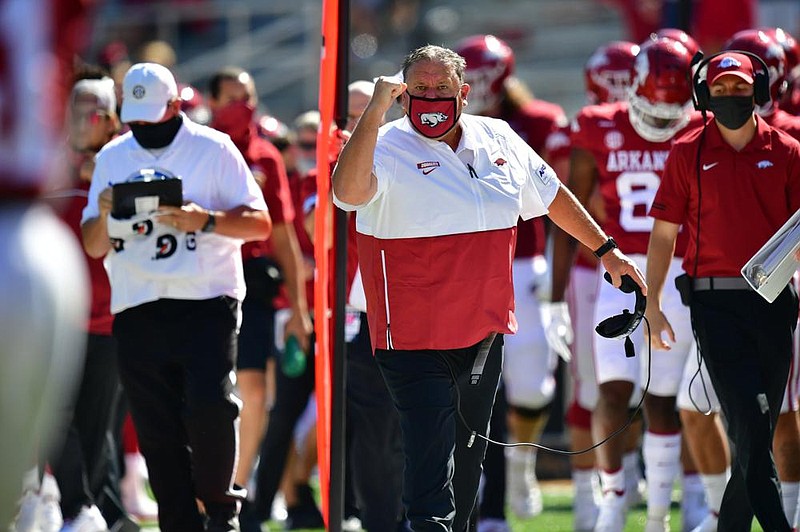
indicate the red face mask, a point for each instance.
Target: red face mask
{"x":432,"y":117}
{"x":235,"y":119}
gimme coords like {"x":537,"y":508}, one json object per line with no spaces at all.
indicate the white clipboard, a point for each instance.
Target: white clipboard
{"x":773,"y":266}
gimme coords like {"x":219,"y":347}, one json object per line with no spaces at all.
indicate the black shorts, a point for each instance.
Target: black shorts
{"x":256,"y":336}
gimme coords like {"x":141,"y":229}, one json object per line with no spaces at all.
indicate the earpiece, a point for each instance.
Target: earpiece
{"x":623,"y":325}
{"x":702,"y":93}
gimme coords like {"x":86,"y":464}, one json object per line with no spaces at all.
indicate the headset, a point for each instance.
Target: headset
{"x":623,"y":325}
{"x":618,"y":326}
{"x":702,"y":93}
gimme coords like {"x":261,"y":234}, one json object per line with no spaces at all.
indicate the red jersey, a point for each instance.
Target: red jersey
{"x":746,"y":195}
{"x":558,"y":144}
{"x":785,"y":122}
{"x":307,"y":196}
{"x":69,"y":204}
{"x":558,"y":147}
{"x":535,"y":122}
{"x":38,"y":42}
{"x":297,"y":187}
{"x":266,"y":163}
{"x":629,"y":172}
{"x":791,"y":103}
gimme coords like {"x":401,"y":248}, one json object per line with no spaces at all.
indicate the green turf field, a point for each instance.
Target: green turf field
{"x":557,"y":516}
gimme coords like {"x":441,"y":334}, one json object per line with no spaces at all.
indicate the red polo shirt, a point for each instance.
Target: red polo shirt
{"x":746,"y":196}
{"x":534,"y":122}
{"x":266,"y":163}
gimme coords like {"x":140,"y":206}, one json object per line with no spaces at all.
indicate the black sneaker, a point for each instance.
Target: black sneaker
{"x":222,"y":518}
{"x":249,"y":521}
{"x":300,"y":518}
{"x":305,"y":513}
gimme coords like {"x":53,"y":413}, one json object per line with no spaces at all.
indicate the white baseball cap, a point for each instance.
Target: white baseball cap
{"x":102,"y":90}
{"x":146,"y":90}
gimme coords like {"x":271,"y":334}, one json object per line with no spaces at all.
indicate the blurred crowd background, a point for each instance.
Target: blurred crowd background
{"x":278,"y":41}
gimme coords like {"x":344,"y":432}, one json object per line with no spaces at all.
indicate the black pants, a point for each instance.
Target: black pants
{"x":442,"y":471}
{"x":493,"y":504}
{"x":291,"y":399}
{"x":747,"y":347}
{"x":84,"y":463}
{"x":375,"y":447}
{"x":176,"y":358}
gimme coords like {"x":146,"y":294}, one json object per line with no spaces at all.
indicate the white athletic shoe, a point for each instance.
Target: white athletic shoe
{"x":654,"y":524}
{"x":133,"y":489}
{"x":522,"y":487}
{"x":88,"y":520}
{"x":50,"y":519}
{"x":612,"y":513}
{"x":635,"y":489}
{"x":491,"y":524}
{"x":352,"y":524}
{"x":279,"y":511}
{"x":585,"y":510}
{"x":27,"y":519}
{"x":693,"y":509}
{"x":709,"y":524}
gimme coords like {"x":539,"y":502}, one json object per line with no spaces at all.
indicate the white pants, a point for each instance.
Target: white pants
{"x":528,"y":363}
{"x":665,"y":369}
{"x":581,"y":297}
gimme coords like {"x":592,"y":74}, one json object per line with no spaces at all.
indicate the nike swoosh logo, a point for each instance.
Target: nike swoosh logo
{"x":428,"y":171}
{"x":709,"y":166}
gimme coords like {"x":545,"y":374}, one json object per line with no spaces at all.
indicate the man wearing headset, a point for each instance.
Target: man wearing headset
{"x":438,"y":194}
{"x":621,"y":147}
{"x":732,"y":184}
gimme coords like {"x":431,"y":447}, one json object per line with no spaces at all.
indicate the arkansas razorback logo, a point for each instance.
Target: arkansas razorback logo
{"x":500,"y":162}
{"x":432,"y":119}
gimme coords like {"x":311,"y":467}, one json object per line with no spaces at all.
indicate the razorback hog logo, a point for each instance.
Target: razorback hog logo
{"x":432,"y":119}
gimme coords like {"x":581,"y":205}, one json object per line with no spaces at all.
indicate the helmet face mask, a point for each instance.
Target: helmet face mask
{"x":657,"y":122}
{"x":490,"y":61}
{"x":608,"y":72}
{"x":660,"y":98}
{"x":485,"y":87}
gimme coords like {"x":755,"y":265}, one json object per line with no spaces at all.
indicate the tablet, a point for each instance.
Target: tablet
{"x":148,"y":190}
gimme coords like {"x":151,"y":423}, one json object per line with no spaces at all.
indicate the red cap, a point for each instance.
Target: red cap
{"x":730,"y":63}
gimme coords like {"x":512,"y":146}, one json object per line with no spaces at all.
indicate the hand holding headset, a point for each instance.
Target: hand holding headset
{"x":623,"y":325}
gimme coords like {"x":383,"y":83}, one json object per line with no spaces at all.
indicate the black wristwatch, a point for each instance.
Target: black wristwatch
{"x":210,"y":224}
{"x":605,"y":248}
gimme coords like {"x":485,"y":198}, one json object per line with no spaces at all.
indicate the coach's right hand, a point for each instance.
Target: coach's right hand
{"x":387,"y":90}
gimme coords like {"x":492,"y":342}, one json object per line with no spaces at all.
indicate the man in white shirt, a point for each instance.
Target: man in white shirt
{"x":176,"y":287}
{"x":438,"y":195}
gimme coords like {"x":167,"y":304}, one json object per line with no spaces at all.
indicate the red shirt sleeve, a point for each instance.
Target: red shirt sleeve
{"x":671,"y":203}
{"x":275,"y":185}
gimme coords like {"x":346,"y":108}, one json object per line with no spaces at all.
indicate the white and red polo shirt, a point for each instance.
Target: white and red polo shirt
{"x":436,"y":241}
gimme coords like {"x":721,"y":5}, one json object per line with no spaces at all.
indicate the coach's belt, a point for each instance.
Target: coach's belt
{"x":721,"y":283}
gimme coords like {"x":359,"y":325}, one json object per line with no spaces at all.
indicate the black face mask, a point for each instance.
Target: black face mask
{"x":154,"y":136}
{"x":731,"y":111}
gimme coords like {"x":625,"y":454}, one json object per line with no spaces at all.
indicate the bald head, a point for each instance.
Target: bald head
{"x":358,"y":96}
